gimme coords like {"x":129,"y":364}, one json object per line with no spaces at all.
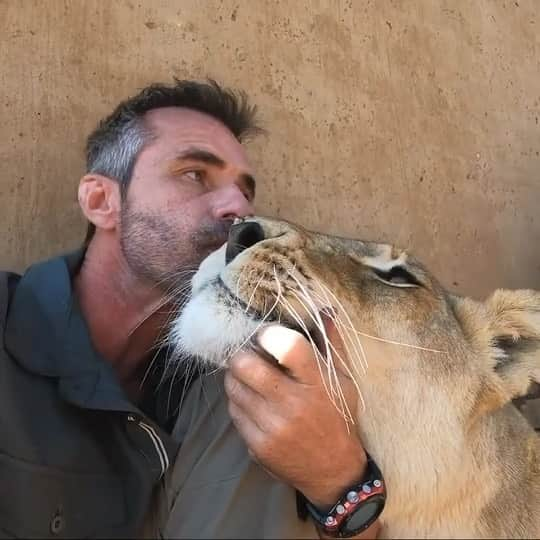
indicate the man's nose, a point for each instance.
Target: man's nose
{"x":232,"y":203}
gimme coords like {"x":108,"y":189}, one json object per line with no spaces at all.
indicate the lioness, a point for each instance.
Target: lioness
{"x":436,"y":373}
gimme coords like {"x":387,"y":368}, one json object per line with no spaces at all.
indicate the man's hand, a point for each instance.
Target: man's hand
{"x":287,"y":419}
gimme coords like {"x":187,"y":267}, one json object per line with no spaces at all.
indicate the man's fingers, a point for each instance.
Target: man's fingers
{"x":248,"y":429}
{"x":251,"y":434}
{"x":262,"y":412}
{"x":246,"y":399}
{"x":258,"y":374}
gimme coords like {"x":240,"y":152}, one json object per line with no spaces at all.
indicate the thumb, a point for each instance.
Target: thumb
{"x":291,"y":351}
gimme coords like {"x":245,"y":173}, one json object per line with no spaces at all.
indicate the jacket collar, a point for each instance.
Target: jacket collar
{"x":47,"y":335}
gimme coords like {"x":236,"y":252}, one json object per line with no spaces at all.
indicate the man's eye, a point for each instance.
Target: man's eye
{"x":196,"y":176}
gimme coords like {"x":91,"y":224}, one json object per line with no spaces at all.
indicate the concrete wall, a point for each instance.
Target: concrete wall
{"x":411,"y":121}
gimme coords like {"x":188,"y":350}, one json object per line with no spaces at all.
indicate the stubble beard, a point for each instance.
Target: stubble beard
{"x":166,"y":255}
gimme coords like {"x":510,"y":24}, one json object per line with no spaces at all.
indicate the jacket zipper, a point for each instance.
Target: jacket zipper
{"x":158,"y":445}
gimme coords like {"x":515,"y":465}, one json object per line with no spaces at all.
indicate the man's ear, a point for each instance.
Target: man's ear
{"x":100,"y":200}
{"x":514,"y":318}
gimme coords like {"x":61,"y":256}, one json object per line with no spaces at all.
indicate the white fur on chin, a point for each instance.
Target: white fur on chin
{"x":206,"y":328}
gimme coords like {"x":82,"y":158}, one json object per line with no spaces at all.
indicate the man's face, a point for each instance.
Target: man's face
{"x":188,"y":184}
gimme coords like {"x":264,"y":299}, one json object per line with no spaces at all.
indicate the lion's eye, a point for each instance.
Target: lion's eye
{"x":397,"y":276}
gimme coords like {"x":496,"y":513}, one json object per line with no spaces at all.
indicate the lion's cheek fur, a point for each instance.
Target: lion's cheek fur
{"x":436,"y":477}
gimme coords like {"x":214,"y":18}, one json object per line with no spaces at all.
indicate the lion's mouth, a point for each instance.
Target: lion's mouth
{"x":272,"y":316}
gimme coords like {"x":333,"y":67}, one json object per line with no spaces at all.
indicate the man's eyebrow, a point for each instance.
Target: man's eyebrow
{"x":197,"y":154}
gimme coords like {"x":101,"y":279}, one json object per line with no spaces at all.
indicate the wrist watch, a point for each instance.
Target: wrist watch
{"x":356,"y":509}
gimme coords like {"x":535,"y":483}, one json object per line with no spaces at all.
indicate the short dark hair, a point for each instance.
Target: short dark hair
{"x":113,"y":147}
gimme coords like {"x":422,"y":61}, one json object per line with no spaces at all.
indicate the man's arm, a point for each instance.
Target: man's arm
{"x":288,"y":421}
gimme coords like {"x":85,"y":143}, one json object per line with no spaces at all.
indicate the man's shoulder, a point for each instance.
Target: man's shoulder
{"x":59,"y":268}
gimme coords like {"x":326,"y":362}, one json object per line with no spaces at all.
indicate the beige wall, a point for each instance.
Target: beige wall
{"x":413,"y":121}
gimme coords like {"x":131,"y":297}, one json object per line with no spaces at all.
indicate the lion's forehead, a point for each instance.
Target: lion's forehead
{"x":298,"y":236}
{"x":378,"y":255}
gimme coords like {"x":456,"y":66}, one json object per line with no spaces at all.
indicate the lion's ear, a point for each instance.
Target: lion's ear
{"x":514,"y":318}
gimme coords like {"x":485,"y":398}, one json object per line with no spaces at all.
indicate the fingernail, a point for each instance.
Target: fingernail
{"x":262,"y":352}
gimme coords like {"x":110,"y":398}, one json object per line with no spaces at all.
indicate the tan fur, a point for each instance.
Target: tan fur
{"x":459,"y":459}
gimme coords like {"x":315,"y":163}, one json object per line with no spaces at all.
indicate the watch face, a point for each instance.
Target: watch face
{"x":363,"y":515}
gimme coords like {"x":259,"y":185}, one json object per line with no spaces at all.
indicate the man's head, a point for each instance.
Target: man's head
{"x":167,"y":174}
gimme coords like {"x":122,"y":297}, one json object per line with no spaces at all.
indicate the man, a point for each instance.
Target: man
{"x":86,"y":407}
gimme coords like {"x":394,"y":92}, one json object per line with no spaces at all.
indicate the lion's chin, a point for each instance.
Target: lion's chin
{"x":211,"y":330}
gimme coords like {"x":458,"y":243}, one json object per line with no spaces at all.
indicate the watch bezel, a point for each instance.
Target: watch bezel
{"x":344,"y":531}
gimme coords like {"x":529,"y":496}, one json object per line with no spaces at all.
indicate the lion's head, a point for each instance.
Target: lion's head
{"x":436,"y":372}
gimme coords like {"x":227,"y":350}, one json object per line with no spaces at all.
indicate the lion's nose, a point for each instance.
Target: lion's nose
{"x":242,"y":236}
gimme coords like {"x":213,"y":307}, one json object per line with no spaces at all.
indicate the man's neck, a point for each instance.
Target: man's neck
{"x":125,"y":316}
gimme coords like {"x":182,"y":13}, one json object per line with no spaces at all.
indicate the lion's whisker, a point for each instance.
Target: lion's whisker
{"x":320,"y":360}
{"x":296,"y":317}
{"x":348,"y":341}
{"x":398,"y":343}
{"x":326,"y":291}
{"x":310,"y":311}
{"x":308,"y":297}
{"x":331,"y":351}
{"x":401,"y":344}
{"x":248,"y":305}
{"x":335,"y":389}
{"x":163,"y":339}
{"x":389,"y":341}
{"x":313,"y":311}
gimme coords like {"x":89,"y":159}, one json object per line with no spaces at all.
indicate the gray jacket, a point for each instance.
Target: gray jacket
{"x":77,"y":458}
